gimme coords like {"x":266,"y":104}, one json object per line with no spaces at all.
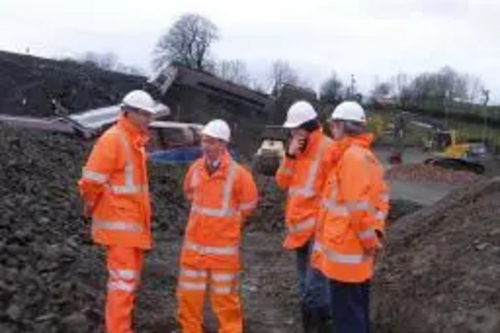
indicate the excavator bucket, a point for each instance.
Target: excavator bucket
{"x":267,"y":159}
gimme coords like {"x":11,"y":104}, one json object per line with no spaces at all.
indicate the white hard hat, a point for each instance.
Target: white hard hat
{"x":299,"y":113}
{"x":350,"y":111}
{"x":217,"y":129}
{"x":139,"y":99}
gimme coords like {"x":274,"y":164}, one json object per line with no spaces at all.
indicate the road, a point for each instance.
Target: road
{"x":422,"y":193}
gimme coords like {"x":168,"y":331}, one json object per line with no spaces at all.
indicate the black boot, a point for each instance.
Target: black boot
{"x":325,"y":325}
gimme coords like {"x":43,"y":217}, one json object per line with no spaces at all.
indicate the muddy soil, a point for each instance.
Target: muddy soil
{"x":52,"y":278}
{"x":441,"y":272}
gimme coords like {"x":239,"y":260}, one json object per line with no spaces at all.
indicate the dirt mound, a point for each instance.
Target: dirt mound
{"x":400,"y":208}
{"x":442,"y":269}
{"x":429,"y":173}
{"x":46,"y":273}
{"x":28,"y":84}
{"x":51,"y":277}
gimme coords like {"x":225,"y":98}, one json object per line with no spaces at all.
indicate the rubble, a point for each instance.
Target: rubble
{"x":429,"y":173}
{"x":444,"y":257}
{"x":400,"y":208}
{"x":441,"y":272}
{"x":50,"y":274}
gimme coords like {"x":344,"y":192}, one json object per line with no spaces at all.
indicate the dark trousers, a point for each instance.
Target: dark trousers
{"x":313,"y":286}
{"x":350,"y":306}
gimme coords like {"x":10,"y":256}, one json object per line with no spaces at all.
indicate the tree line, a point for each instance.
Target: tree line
{"x":190,"y":39}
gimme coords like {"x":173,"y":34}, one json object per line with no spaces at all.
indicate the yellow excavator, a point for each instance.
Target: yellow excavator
{"x":452,"y":154}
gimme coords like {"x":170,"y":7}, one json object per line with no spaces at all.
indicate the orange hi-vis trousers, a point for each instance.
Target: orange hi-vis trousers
{"x":124,"y":267}
{"x":224,"y":299}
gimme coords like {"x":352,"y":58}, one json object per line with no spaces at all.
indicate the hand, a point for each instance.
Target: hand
{"x":377,"y":251}
{"x":88,"y":209}
{"x":297,"y":144}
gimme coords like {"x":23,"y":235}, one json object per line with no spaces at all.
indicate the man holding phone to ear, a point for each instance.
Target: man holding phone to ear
{"x":310,"y":155}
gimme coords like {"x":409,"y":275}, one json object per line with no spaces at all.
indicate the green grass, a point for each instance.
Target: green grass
{"x":465,"y":129}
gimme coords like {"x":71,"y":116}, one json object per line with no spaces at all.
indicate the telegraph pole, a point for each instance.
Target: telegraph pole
{"x":486,"y":94}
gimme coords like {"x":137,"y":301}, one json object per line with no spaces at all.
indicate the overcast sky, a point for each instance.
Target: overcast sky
{"x":373,"y":39}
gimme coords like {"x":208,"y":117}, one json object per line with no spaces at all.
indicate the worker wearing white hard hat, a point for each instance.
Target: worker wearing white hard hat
{"x":140,"y":108}
{"x":348,"y":118}
{"x":214,"y":141}
{"x":114,"y":188}
{"x":302,"y":171}
{"x":222,"y":194}
{"x":354,"y":206}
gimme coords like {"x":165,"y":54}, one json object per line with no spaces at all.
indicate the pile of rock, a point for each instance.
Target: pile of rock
{"x":442,"y":266}
{"x":429,"y":173}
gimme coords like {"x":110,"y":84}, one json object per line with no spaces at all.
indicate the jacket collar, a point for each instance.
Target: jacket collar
{"x":314,"y":140}
{"x":363,"y":140}
{"x":223,"y":167}
{"x":133,"y":132}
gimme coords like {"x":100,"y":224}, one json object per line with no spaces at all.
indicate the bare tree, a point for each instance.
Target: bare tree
{"x":382,"y":89}
{"x":132,"y":70}
{"x":108,"y":61}
{"x":400,"y":84}
{"x":281,"y":74}
{"x":474,"y":87}
{"x":188,"y":42}
{"x":105,"y":60}
{"x":257,"y":86}
{"x":332,"y":90}
{"x":234,"y":71}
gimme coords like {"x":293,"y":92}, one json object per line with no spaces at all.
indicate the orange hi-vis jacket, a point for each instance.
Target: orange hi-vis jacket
{"x":114,"y":185}
{"x":219,"y":204}
{"x":304,"y":177}
{"x":353,"y":210}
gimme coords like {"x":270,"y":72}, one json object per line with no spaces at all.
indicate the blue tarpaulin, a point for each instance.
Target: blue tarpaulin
{"x":182,"y":155}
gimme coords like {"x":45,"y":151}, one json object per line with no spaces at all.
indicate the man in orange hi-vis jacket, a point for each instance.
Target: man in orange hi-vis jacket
{"x":114,"y":187}
{"x":354,"y":206}
{"x":303,"y":171}
{"x":222,"y":194}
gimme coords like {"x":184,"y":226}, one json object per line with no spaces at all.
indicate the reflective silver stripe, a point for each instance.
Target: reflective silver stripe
{"x":117,"y":226}
{"x":125,"y":189}
{"x":221,"y":290}
{"x":381,"y":216}
{"x":128,"y":187}
{"x":307,"y":189}
{"x":286,"y":172}
{"x":214,"y":212}
{"x":223,"y":277}
{"x":338,"y":257}
{"x":384,"y":197}
{"x":218,"y":250}
{"x":334,"y":208}
{"x":367,"y":234}
{"x":97,"y":177}
{"x":302,"y":191}
{"x":225,"y":210}
{"x":301,"y":226}
{"x":363,"y":205}
{"x":247,"y":206}
{"x":192,"y":285}
{"x":125,"y":274}
{"x":121,"y":285}
{"x":191,"y":273}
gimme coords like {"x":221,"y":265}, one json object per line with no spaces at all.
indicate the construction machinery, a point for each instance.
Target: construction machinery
{"x":452,"y":154}
{"x":267,"y":159}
